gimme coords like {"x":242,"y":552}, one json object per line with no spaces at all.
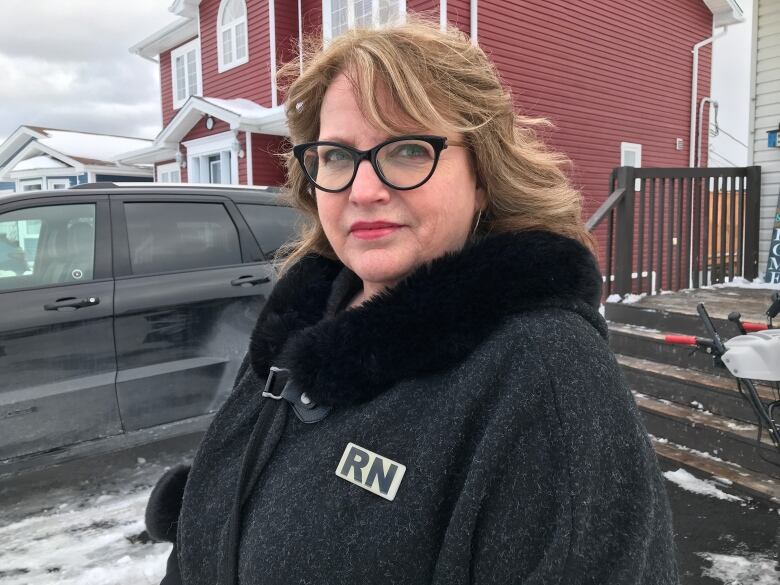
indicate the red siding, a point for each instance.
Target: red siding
{"x":429,"y":7}
{"x":252,"y":80}
{"x":604,"y":73}
{"x":311,"y":11}
{"x":459,"y":14}
{"x":199,"y":130}
{"x":286,"y":34}
{"x":267,"y":168}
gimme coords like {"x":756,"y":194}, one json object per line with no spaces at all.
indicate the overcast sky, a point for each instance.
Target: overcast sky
{"x":66,"y":64}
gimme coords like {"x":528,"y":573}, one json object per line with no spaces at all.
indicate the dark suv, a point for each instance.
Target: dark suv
{"x":124,"y":309}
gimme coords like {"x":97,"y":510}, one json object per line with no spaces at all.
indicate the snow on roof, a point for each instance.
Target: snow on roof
{"x":39,"y":162}
{"x":240,"y":106}
{"x":99,"y":147}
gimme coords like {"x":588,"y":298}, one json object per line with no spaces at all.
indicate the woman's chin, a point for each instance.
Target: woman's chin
{"x":382,"y":267}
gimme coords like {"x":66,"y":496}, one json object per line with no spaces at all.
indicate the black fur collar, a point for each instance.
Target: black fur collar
{"x":428,"y":322}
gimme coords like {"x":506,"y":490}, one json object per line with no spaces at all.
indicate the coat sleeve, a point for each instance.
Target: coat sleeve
{"x":162,"y":516}
{"x":588,"y":500}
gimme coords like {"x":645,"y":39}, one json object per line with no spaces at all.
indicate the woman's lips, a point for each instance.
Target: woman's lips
{"x":374,"y":230}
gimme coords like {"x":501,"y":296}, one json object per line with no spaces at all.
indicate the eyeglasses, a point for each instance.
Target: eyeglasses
{"x":403,"y":163}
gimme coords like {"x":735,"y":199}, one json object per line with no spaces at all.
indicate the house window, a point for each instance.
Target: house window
{"x":630,"y":154}
{"x":213,"y":159}
{"x":338,"y":16}
{"x":32,"y":185}
{"x":232,"y":34}
{"x":185,"y":69}
{"x":169,"y":173}
{"x":59,"y":183}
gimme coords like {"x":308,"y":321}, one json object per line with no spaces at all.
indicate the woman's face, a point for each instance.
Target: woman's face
{"x":401,"y":229}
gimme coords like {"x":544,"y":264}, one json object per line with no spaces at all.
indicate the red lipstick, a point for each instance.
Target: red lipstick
{"x":372,"y":230}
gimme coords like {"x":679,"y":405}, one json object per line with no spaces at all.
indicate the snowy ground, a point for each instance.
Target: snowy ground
{"x":85,"y":527}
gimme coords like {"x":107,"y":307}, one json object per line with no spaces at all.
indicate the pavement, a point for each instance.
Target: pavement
{"x":81,"y":524}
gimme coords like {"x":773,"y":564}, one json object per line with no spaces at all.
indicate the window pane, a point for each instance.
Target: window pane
{"x":233,"y":10}
{"x":192,"y":74}
{"x":272,"y":225}
{"x":363,"y":13}
{"x":339,"y":17}
{"x":240,"y":40}
{"x":33,"y":187}
{"x":47,"y":245}
{"x":180,"y":236}
{"x":181,"y":87}
{"x":227,"y":46}
{"x":389,"y":11}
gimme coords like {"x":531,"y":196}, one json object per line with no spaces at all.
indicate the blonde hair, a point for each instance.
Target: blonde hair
{"x":437,"y":79}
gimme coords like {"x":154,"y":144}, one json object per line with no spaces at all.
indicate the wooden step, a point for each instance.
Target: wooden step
{"x":726,"y":438}
{"x":676,"y":312}
{"x":645,"y":343}
{"x":716,"y":394}
{"x":752,"y":483}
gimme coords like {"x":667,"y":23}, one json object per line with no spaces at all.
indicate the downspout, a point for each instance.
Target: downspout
{"x":300,"y":35}
{"x":443,"y":14}
{"x":701,"y":124}
{"x":694,"y":92}
{"x":272,"y":40}
{"x":473,"y":19}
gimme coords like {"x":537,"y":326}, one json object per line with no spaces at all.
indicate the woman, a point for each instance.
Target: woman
{"x":428,"y":396}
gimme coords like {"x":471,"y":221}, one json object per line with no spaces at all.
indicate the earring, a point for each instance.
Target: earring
{"x":476,"y":224}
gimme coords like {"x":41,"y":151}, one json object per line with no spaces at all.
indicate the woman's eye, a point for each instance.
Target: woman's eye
{"x":411,"y":151}
{"x":334,"y":155}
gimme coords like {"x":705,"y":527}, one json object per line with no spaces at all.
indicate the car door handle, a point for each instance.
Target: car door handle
{"x":71,"y":303}
{"x":249,"y":280}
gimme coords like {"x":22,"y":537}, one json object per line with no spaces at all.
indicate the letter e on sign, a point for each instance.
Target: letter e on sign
{"x":377,"y":474}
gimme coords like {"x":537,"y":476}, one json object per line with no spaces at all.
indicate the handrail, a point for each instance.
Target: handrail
{"x":605,"y":208}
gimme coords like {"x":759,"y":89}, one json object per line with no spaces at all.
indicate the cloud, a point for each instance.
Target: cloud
{"x":66,"y":64}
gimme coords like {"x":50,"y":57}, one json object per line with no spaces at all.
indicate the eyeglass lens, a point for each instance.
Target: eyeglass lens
{"x":403,"y":164}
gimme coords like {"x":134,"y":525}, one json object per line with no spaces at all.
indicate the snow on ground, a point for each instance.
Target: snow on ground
{"x":83,"y":538}
{"x":740,"y":282}
{"x":698,"y":486}
{"x":754,"y":569}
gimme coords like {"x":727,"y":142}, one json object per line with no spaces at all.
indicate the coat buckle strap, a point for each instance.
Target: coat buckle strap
{"x":279,"y":386}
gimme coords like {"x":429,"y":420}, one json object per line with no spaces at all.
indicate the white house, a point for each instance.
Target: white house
{"x":35,"y":158}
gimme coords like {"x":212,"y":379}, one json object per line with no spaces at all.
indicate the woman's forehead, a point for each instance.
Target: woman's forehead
{"x":346,"y":116}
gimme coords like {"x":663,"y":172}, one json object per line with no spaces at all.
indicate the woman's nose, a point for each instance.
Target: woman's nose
{"x":367,"y":187}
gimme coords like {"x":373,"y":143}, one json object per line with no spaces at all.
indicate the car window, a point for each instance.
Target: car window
{"x":164,"y":237}
{"x":272,"y":225}
{"x":46,"y":245}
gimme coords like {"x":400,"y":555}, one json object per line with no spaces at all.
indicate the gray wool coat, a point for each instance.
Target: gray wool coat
{"x":486,"y":375}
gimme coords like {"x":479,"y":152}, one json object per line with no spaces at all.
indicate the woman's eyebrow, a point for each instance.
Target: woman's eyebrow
{"x":336,"y":138}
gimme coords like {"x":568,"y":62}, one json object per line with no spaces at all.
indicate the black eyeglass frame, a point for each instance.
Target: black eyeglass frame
{"x":438,"y":143}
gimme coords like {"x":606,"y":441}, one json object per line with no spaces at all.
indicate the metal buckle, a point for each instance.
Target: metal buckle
{"x":273,"y":373}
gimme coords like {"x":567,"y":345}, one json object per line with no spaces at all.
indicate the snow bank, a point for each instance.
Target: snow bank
{"x":695,"y":485}
{"x":83,"y":543}
{"x":751,"y":570}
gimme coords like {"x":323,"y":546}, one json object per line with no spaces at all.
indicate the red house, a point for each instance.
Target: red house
{"x":614,"y":77}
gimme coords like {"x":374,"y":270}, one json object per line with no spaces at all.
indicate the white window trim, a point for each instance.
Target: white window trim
{"x":221,"y":65}
{"x":167,"y":168}
{"x":28,"y":182}
{"x":62,"y":182}
{"x":327,"y":25}
{"x":210,"y":145}
{"x":630,"y":147}
{"x":177,"y":52}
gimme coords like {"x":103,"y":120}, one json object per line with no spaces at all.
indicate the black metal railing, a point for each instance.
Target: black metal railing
{"x":672,"y":229}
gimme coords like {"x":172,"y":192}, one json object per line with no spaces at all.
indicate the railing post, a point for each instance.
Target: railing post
{"x":752,"y":220}
{"x":624,"y":234}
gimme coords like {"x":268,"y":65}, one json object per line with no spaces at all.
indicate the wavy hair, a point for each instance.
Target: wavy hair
{"x":437,"y":79}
